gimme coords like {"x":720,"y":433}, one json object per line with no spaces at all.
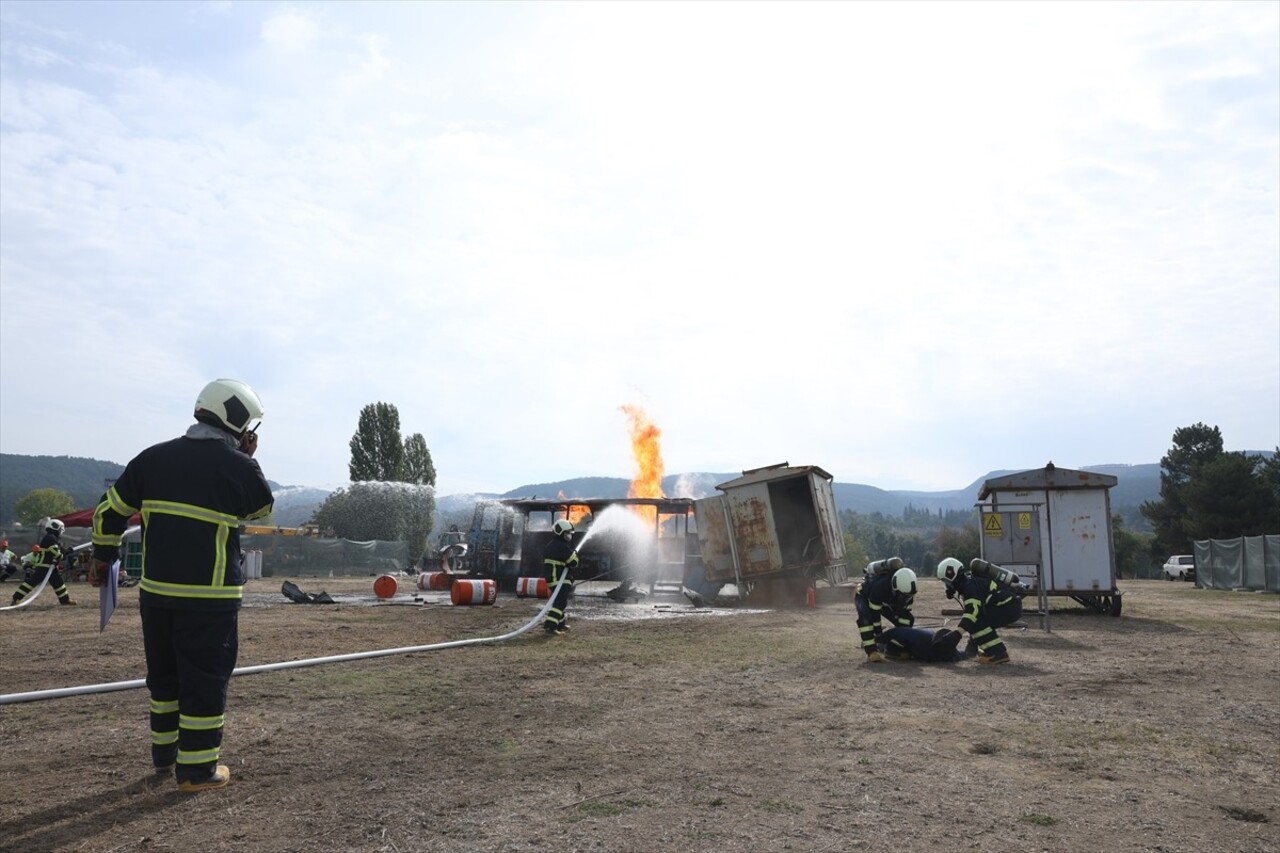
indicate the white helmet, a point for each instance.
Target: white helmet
{"x":232,"y":402}
{"x":56,"y":526}
{"x":904,"y":582}
{"x":562,"y":527}
{"x":949,"y":568}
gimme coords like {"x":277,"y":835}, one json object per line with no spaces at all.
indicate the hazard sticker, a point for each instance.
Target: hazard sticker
{"x":993,"y":525}
{"x":1024,"y":521}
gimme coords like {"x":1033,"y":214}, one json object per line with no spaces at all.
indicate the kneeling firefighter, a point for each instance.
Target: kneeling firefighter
{"x":992,"y":598}
{"x":886,"y":592}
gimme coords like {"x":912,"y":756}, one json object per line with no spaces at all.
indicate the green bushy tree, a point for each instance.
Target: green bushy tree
{"x":39,"y":503}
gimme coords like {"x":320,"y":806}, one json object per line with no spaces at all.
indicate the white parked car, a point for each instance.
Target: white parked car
{"x":1180,"y":568}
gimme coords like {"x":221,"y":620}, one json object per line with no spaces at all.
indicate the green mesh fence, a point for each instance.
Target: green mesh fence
{"x":313,"y":556}
{"x":1250,"y":562}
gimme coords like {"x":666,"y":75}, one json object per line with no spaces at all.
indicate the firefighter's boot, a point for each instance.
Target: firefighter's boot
{"x":219,"y":777}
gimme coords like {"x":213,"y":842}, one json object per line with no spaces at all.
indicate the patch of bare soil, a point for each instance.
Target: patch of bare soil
{"x":660,"y":726}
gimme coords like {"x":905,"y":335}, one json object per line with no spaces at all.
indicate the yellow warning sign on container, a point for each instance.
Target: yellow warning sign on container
{"x":1024,"y":521}
{"x":993,"y":524}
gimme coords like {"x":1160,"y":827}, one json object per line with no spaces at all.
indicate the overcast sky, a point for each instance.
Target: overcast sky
{"x":908,"y":242}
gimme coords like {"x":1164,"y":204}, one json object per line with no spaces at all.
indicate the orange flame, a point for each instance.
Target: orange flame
{"x":576,"y":512}
{"x":646,"y":447}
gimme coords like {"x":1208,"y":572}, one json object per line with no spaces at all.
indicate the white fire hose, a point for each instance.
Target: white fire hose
{"x":58,"y":693}
{"x":31,"y":596}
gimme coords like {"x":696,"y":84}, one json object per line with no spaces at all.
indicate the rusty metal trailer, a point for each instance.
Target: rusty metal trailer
{"x":774,"y":533}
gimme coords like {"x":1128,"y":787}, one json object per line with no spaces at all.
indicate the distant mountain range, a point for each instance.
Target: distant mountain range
{"x":85,"y":479}
{"x":1135,"y":484}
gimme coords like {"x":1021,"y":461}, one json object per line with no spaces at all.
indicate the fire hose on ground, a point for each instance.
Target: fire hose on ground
{"x":111,"y":687}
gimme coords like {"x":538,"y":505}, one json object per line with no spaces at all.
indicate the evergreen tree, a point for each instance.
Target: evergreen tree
{"x":1192,"y":447}
{"x":1208,"y":493}
{"x":1269,"y":472}
{"x":1225,"y":499}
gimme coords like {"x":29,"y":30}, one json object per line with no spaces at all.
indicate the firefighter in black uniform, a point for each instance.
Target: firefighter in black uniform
{"x":47,"y":555}
{"x":992,"y":598}
{"x":886,"y":592}
{"x":558,"y":561}
{"x":192,"y":491}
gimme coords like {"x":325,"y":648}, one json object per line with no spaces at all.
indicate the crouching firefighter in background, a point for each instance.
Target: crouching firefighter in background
{"x":558,"y":561}
{"x":992,"y":598}
{"x":45,"y":558}
{"x":8,"y":561}
{"x":886,"y":592}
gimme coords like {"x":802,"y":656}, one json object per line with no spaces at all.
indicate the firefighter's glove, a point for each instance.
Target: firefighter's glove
{"x":1021,"y":590}
{"x":572,"y":562}
{"x":99,"y":572}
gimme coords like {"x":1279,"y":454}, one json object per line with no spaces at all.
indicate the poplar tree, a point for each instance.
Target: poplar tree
{"x":418,"y":467}
{"x":377,"y":452}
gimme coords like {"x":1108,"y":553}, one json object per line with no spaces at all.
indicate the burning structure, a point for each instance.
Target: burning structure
{"x":774,"y":533}
{"x":653,"y":546}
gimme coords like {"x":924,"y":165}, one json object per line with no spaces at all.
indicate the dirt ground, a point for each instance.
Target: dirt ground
{"x":659,"y":726}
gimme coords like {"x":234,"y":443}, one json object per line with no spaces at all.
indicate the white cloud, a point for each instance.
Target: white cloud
{"x":290,"y":30}
{"x":906,"y":243}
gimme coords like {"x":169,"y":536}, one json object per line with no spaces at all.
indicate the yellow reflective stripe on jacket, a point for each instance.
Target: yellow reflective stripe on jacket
{"x":117,"y":505}
{"x":199,"y":513}
{"x":185,"y":590}
{"x":217,"y":588}
{"x":110,"y":501}
{"x":556,"y":566}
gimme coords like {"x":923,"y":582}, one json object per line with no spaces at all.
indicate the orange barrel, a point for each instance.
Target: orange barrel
{"x":434,"y":580}
{"x":532,"y":588}
{"x":385,"y":586}
{"x":473,"y":592}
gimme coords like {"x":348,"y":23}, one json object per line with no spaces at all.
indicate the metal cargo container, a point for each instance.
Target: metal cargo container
{"x":775,"y":528}
{"x":1053,"y":527}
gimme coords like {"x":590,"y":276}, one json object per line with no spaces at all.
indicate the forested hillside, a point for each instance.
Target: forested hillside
{"x":84,"y":479}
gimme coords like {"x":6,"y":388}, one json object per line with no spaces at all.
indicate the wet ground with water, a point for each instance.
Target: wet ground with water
{"x":590,"y":600}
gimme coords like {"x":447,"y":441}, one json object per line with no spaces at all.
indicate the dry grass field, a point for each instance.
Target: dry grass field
{"x":658,"y":726}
